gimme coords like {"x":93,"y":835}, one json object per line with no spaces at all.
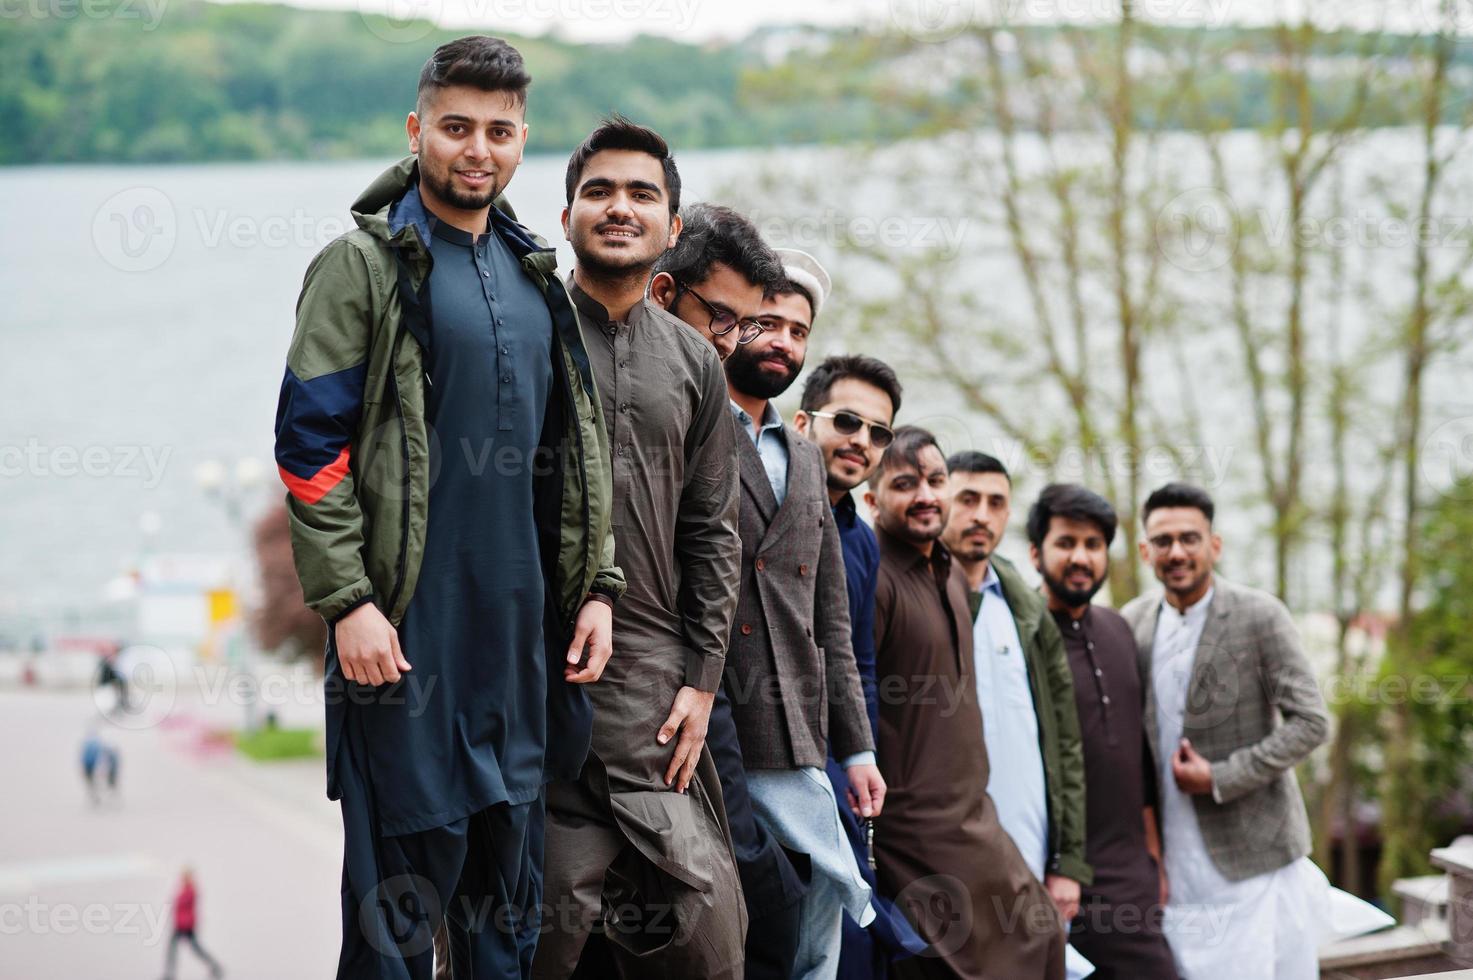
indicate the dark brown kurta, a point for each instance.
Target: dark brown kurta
{"x":1119,"y":924}
{"x":939,"y":848}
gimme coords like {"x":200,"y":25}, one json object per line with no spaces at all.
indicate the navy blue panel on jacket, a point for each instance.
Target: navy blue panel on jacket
{"x":866,"y":952}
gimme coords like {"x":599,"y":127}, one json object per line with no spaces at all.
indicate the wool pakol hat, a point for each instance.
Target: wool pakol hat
{"x":804,"y":270}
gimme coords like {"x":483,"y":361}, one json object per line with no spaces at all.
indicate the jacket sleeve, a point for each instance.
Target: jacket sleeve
{"x":708,"y":546}
{"x":849,"y":730}
{"x":1071,"y":861}
{"x":609,"y":580}
{"x":1288,"y":684}
{"x":317,"y":417}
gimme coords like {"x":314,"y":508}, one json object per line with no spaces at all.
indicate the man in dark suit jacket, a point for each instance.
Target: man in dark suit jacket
{"x":791,"y":677}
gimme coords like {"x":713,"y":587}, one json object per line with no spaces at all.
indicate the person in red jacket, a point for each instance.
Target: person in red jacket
{"x":185,"y":922}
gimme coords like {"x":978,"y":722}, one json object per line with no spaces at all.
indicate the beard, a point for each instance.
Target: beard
{"x":1073,"y":598}
{"x":442,"y":185}
{"x":616,"y":264}
{"x":744,"y":370}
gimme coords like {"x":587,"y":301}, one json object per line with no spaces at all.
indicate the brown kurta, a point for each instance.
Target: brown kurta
{"x":1118,"y":928}
{"x":939,"y":848}
{"x":619,"y":841}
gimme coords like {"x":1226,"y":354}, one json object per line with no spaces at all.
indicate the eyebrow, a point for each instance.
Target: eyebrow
{"x":457,"y":117}
{"x":639,"y":185}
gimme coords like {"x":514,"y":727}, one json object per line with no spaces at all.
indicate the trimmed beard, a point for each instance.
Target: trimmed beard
{"x":1073,"y":598}
{"x":746,"y":376}
{"x":443,"y":187}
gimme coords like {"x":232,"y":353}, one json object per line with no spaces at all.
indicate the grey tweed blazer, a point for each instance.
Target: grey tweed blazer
{"x":1255,"y":711}
{"x":790,"y":670}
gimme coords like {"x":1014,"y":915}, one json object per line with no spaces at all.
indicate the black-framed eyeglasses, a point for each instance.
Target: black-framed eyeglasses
{"x":847,"y":424}
{"x":723,"y":321}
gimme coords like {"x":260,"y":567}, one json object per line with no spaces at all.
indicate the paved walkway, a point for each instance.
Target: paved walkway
{"x":85,"y":891}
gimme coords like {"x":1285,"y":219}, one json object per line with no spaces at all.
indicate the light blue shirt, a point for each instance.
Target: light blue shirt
{"x":772,"y":445}
{"x":1010,"y":727}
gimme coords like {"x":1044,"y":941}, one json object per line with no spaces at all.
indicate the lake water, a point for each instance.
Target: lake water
{"x":148,"y":311}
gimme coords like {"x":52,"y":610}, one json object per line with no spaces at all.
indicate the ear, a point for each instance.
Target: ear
{"x":1144,"y":547}
{"x":800,"y":422}
{"x":412,"y":130}
{"x":1035,"y":557}
{"x":1216,"y":547}
{"x":566,"y":237}
{"x":522,"y":151}
{"x":676,"y":226}
{"x":873,"y":504}
{"x":662,"y":290}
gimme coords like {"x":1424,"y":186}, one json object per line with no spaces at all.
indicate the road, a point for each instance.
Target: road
{"x":85,"y":891}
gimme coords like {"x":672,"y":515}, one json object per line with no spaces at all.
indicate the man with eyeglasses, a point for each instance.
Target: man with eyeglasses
{"x":790,"y":664}
{"x":1231,"y":707}
{"x":637,"y":846}
{"x":848,"y":408}
{"x":715,"y":276}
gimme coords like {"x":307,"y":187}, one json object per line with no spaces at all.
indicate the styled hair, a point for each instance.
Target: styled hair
{"x":1178,"y":495}
{"x":861,"y":367}
{"x":1074,"y":502}
{"x":618,"y":133}
{"x":712,"y":233}
{"x":904,"y":451}
{"x":787,"y":287}
{"x":480,"y":61}
{"x":971,"y":461}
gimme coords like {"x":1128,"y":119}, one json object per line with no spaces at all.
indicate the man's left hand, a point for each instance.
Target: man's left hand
{"x":1065,"y":893}
{"x":866,"y":790}
{"x":594,"y":629}
{"x":1192,"y":771}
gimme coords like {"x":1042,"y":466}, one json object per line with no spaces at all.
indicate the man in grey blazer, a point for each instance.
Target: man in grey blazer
{"x":790,"y":672}
{"x":1231,"y":707}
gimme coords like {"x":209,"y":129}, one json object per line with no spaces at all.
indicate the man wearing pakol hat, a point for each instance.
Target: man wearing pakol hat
{"x":790,"y":664}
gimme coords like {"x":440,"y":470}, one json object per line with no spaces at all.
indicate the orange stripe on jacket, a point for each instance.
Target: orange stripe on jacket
{"x":313,"y":490}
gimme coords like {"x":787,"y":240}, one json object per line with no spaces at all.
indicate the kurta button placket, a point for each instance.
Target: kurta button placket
{"x":746,"y":629}
{"x":802,"y":569}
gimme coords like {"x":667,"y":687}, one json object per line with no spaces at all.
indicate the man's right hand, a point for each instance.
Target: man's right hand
{"x":368,"y":647}
{"x":689,"y":717}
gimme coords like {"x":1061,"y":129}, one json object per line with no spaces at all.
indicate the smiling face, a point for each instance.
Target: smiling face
{"x":769,"y":365}
{"x":1074,"y":560}
{"x":849,"y":459}
{"x":1182,"y":549}
{"x":724,"y":290}
{"x":620,"y":221}
{"x":910,"y":502}
{"x":469,"y":143}
{"x":980,"y":505}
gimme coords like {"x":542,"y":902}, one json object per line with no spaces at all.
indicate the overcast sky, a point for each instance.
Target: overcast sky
{"x":702,"y":20}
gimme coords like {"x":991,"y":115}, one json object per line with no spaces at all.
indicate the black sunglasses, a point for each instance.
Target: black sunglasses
{"x":847,"y":423}
{"x":723,"y":321}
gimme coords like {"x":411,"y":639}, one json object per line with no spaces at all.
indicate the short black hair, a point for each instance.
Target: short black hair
{"x":713,"y":233}
{"x":904,"y":451}
{"x":480,"y":61}
{"x":971,"y":461}
{"x":1178,"y":495}
{"x":618,"y":133}
{"x":1072,"y":501}
{"x":861,"y":367}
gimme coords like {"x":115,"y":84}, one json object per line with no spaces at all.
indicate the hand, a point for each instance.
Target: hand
{"x":594,"y":629}
{"x":1193,"y":772}
{"x":1065,"y":893}
{"x":1162,"y":884}
{"x":368,"y":647}
{"x":689,"y":716}
{"x":866,"y":790}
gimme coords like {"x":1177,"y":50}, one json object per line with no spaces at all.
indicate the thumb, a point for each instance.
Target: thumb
{"x":580,"y":638}
{"x":399,"y":660}
{"x":667,"y":730}
{"x":862,"y":789}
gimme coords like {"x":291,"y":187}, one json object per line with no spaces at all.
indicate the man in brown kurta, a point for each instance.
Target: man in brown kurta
{"x":938,"y":845}
{"x":639,"y":847}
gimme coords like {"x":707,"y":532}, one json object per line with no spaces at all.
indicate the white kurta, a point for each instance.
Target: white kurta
{"x":1264,"y":927}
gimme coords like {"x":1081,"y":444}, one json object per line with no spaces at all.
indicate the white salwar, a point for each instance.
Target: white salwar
{"x":1267,"y":926}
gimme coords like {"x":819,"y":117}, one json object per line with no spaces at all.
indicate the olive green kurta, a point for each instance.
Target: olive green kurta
{"x":938,"y":845}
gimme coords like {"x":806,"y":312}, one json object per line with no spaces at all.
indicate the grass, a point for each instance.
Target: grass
{"x":273,"y":744}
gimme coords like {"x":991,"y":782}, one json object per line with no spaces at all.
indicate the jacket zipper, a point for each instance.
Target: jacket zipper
{"x":404,"y":449}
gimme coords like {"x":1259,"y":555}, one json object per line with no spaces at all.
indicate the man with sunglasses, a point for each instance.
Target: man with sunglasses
{"x":1231,"y":707}
{"x":637,"y":846}
{"x":848,"y":410}
{"x":790,"y":664}
{"x":715,"y":276}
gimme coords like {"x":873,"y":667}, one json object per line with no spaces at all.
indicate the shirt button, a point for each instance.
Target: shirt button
{"x":485,"y":274}
{"x":802,"y":569}
{"x":623,"y":406}
{"x":746,"y":629}
{"x":506,"y":378}
{"x":1105,"y":699}
{"x":1075,"y":624}
{"x":1090,"y":645}
{"x":761,"y":564}
{"x":505,"y":350}
{"x":1099,"y":673}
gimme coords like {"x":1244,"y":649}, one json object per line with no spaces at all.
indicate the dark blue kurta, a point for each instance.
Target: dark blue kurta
{"x":865,"y":953}
{"x":474,"y":627}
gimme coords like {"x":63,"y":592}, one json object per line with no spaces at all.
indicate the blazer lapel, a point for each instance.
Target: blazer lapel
{"x":1145,"y":639}
{"x":799,"y":487}
{"x":754,"y":474}
{"x":1210,"y":647}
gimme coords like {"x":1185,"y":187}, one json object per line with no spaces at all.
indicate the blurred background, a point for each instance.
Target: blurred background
{"x":1106,"y":241}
